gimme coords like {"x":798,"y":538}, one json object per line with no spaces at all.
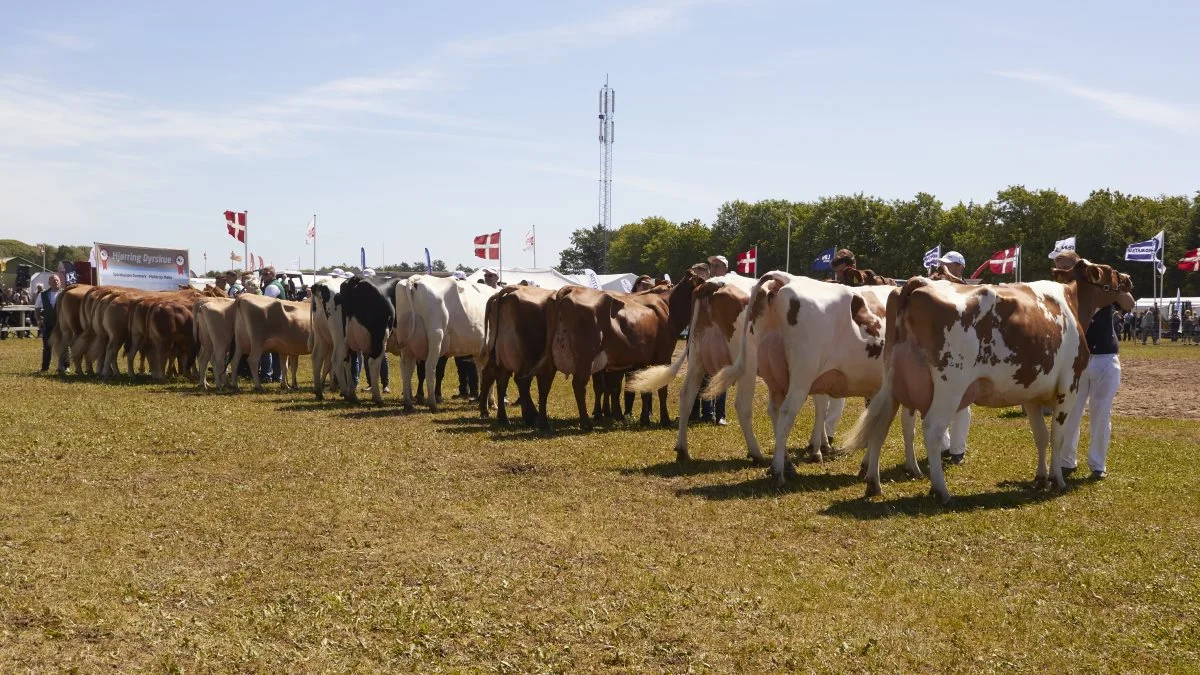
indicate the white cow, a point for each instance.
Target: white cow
{"x":322,"y":296}
{"x":451,"y":314}
{"x":809,"y":337}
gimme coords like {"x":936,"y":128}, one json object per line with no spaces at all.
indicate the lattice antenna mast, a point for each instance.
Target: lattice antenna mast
{"x":608,"y":105}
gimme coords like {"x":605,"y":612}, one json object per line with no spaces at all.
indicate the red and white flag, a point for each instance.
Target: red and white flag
{"x":1001,"y":262}
{"x":260,"y":265}
{"x":1190,"y":261}
{"x":310,"y":232}
{"x":487,"y":246}
{"x":250,"y":262}
{"x":747,"y":263}
{"x":530,"y":242}
{"x":235,"y":222}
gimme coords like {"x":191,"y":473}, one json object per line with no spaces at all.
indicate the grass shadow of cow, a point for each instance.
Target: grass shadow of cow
{"x":1011,"y":495}
{"x":764,"y":486}
{"x":691,"y":467}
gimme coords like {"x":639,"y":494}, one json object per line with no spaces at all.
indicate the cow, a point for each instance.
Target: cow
{"x":452,"y":315}
{"x":590,"y":331}
{"x":806,"y":337}
{"x":715,"y":335}
{"x":265,"y":325}
{"x":115,"y":326}
{"x":950,"y":346}
{"x":361,"y":319}
{"x":322,"y":347}
{"x":213,"y":321}
{"x":515,"y":337}
{"x":169,"y":334}
{"x":68,"y":325}
{"x":89,"y":347}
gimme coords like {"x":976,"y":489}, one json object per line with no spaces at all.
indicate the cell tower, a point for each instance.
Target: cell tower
{"x":608,"y":105}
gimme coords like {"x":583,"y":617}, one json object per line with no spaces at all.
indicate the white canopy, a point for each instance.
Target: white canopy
{"x":544,"y":277}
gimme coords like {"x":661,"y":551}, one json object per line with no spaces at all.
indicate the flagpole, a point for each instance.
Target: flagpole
{"x":1020,"y":248}
{"x":787,"y":263}
{"x":535,"y":245}
{"x":245,"y":240}
{"x":500,"y":256}
{"x":314,"y":248}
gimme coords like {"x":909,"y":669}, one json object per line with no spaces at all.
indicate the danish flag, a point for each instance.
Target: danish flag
{"x":1190,"y":261}
{"x":747,"y":263}
{"x":1001,"y":262}
{"x":235,"y":222}
{"x":487,"y":246}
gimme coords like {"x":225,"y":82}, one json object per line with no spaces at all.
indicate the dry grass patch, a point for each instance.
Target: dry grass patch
{"x":149,"y":527}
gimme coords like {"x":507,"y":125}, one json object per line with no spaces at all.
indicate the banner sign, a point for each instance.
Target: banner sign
{"x":931,"y":257}
{"x":150,"y":269}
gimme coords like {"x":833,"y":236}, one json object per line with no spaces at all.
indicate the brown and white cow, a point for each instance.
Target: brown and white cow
{"x":590,"y":331}
{"x":515,"y":338}
{"x":808,"y":337}
{"x":950,"y":346}
{"x":714,"y":338}
{"x":266,"y":325}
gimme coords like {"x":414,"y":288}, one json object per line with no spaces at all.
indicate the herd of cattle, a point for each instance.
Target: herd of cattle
{"x":932,"y":346}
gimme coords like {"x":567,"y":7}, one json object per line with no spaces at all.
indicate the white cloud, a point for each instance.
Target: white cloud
{"x":1177,"y":117}
{"x":66,"y":41}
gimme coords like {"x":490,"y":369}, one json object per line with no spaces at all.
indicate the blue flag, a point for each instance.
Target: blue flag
{"x":362,"y":257}
{"x":824,"y":261}
{"x":428,"y":264}
{"x":1147,"y":251}
{"x":931,"y":256}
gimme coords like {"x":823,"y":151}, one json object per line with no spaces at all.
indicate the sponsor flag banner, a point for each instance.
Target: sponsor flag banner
{"x":824,"y":262}
{"x":1190,"y":261}
{"x":931,"y":256}
{"x":592,"y":280}
{"x":1002,"y":262}
{"x":235,"y":257}
{"x":362,"y":258}
{"x":747,"y":263}
{"x":310,"y":232}
{"x":487,"y":246}
{"x":428,"y":262}
{"x":1061,"y":245}
{"x":530,"y":242}
{"x":150,"y":269}
{"x":260,"y":264}
{"x":1147,"y":251}
{"x":235,"y":223}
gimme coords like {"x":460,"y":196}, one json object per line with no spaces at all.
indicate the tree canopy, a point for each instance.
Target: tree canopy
{"x":891,"y":236}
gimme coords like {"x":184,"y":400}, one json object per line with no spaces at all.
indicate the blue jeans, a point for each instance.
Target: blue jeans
{"x":356,"y":366}
{"x":268,"y":367}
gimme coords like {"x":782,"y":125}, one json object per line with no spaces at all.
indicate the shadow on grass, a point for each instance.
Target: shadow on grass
{"x":310,"y":405}
{"x":1012,"y":495}
{"x":692,"y":467}
{"x":764,"y":486}
{"x":516,"y":429}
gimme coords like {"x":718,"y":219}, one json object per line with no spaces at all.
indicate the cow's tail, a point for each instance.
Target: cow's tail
{"x":551,"y":327}
{"x":491,"y":325}
{"x":872,"y":426}
{"x":656,"y":377}
{"x":725,"y":377}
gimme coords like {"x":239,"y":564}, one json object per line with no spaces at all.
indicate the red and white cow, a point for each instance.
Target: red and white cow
{"x":809,"y":338}
{"x":950,"y":346}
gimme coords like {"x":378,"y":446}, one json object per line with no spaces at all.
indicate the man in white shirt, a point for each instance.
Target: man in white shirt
{"x":44,"y":306}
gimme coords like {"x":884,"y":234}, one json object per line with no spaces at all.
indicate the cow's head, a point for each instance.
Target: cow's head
{"x":1097,"y":286}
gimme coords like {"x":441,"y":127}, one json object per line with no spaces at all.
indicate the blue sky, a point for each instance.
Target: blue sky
{"x":406,"y":125}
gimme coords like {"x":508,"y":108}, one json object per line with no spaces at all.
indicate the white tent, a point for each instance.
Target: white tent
{"x":545,"y":277}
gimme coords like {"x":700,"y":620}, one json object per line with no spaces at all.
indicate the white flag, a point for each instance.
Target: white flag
{"x":1061,"y":245}
{"x":310,"y":232}
{"x":530,"y":244}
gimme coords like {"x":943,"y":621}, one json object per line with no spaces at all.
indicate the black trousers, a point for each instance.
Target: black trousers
{"x":468,"y":376}
{"x":46,"y":348}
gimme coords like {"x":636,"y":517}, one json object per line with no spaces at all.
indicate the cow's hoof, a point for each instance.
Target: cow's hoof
{"x":1041,"y":483}
{"x":942,"y":498}
{"x":502,"y":421}
{"x":862,"y":472}
{"x":874,"y":490}
{"x":665,"y":423}
{"x":681,"y":455}
{"x":408,"y":407}
{"x":756,"y":459}
{"x":586,"y":425}
{"x":320,"y":396}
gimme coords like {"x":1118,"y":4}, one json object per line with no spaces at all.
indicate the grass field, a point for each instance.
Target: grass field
{"x":148,"y":527}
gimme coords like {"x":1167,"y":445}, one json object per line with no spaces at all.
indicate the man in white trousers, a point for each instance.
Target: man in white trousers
{"x":1097,"y":386}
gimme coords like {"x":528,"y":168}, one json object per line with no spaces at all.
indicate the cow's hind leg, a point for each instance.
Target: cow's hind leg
{"x":374,"y":366}
{"x":785,"y":418}
{"x":908,"y":427}
{"x":579,"y":383}
{"x":934,"y":426}
{"x":744,"y":405}
{"x":1041,"y":438}
{"x":687,"y":398}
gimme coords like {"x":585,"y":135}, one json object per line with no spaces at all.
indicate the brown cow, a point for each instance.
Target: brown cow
{"x":170,"y":333}
{"x":212,"y":325}
{"x":114,"y":324}
{"x":271,"y":325}
{"x":69,"y":324}
{"x":589,"y":331}
{"x":515,"y":338}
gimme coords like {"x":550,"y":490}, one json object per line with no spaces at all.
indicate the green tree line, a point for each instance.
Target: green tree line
{"x":54,"y":254}
{"x":890,"y":236}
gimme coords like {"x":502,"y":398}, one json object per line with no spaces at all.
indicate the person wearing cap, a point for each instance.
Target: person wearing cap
{"x":718,"y":266}
{"x":843,"y":263}
{"x":460,"y":275}
{"x":954,"y":263}
{"x":368,"y":272}
{"x":491,"y":277}
{"x":1098,"y":384}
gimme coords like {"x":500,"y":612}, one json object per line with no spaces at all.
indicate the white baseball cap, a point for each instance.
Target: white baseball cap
{"x":723,"y":259}
{"x":368,"y":272}
{"x":953,"y":257}
{"x":338,"y":273}
{"x":460,"y":275}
